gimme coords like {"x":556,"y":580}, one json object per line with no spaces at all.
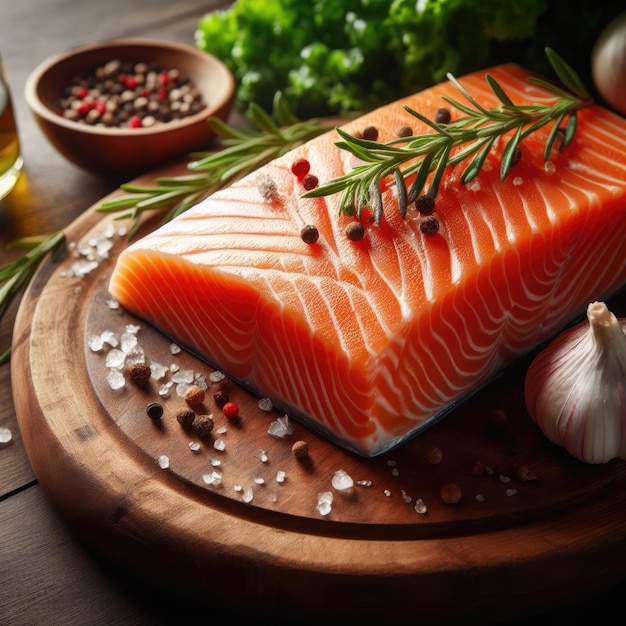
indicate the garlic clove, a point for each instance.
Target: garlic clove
{"x":575,"y":389}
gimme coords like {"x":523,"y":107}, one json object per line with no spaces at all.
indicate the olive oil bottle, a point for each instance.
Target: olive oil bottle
{"x":10,"y":155}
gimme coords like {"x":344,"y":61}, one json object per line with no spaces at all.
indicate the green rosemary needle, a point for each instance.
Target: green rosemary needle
{"x":15,"y":276}
{"x":474,"y":133}
{"x":241,"y":152}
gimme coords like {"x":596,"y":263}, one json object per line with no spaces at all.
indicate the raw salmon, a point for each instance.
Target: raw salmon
{"x":370,"y":341}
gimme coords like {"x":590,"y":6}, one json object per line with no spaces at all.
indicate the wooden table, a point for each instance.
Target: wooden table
{"x":46,"y":574}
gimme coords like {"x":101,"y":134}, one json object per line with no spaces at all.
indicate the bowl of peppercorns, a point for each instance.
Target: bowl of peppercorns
{"x":127,"y":106}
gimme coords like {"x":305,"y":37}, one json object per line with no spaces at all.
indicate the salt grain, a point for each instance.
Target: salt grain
{"x":222,"y":430}
{"x":174,"y":349}
{"x":247,"y":495}
{"x":219,"y":445}
{"x":395,"y":472}
{"x":214,"y":462}
{"x":342,"y":481}
{"x":406,"y":497}
{"x":95,"y":343}
{"x":511,"y":492}
{"x":214,"y":479}
{"x":115,"y":379}
{"x":157,"y":370}
{"x":387,"y":493}
{"x":5,"y":435}
{"x":216,"y":377}
{"x":324,"y":502}
{"x":259,"y":480}
{"x":549,"y":167}
{"x":265,"y":404}
{"x":280,"y":428}
{"x":280,"y":476}
{"x":420,"y":506}
{"x":183,"y":377}
{"x":364,"y":483}
{"x":164,"y":461}
{"x":194,"y":446}
{"x":115,"y":358}
{"x":480,"y":497}
{"x":109,"y":337}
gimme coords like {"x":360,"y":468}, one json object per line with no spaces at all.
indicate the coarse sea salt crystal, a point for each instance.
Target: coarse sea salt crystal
{"x":216,"y":377}
{"x":5,"y":435}
{"x":219,"y":444}
{"x":420,"y":506}
{"x":364,"y":483}
{"x":265,"y":404}
{"x":164,"y":461}
{"x":115,"y":358}
{"x":324,"y":502}
{"x":280,"y":476}
{"x":174,"y":349}
{"x":194,"y":446}
{"x":157,"y":370}
{"x":342,"y":481}
{"x":95,"y":343}
{"x":405,"y":496}
{"x":108,"y":336}
{"x":115,"y":379}
{"x":183,"y":376}
{"x":247,"y":495}
{"x":259,"y":480}
{"x":280,"y":428}
{"x":214,"y":479}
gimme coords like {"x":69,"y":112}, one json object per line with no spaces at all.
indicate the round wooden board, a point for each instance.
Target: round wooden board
{"x":255,"y":537}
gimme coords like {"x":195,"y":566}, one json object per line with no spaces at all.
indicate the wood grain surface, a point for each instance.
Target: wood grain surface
{"x":509,"y":541}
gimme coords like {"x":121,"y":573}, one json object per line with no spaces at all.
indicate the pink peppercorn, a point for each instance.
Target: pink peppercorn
{"x":134,"y":122}
{"x":221,"y":398}
{"x":230,"y":410}
{"x":300,"y":168}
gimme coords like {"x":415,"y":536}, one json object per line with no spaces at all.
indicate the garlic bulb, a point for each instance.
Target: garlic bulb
{"x":608,"y":63}
{"x":575,"y":389}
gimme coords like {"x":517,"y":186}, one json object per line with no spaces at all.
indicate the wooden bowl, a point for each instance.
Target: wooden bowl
{"x":113,"y":150}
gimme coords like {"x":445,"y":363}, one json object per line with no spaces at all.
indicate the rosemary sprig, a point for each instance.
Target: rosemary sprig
{"x":15,"y":276}
{"x":241,"y":152}
{"x":475,"y":132}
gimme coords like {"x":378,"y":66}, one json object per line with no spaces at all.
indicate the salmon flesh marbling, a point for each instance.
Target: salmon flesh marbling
{"x":370,"y":341}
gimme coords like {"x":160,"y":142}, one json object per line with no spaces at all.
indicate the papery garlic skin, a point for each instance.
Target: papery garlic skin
{"x":575,"y":389}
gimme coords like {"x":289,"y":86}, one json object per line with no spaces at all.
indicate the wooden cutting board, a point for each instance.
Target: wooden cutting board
{"x":234,"y":517}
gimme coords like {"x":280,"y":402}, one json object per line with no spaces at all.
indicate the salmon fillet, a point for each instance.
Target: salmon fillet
{"x":370,"y":341}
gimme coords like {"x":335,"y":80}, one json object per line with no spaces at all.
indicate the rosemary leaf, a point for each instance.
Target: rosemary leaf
{"x":241,"y":152}
{"x":473,"y":133}
{"x":16,"y":276}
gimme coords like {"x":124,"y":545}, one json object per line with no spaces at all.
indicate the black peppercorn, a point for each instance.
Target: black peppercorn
{"x":309,"y":234}
{"x":154,"y":411}
{"x":370,"y":133}
{"x":404,"y":131}
{"x":442,"y":116}
{"x":355,"y":231}
{"x":429,"y":225}
{"x":425,"y":204}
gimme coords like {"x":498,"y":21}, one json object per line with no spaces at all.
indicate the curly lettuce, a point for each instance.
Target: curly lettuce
{"x":335,"y":56}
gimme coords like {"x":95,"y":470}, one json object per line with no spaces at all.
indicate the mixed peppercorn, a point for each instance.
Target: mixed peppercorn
{"x":129,"y":95}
